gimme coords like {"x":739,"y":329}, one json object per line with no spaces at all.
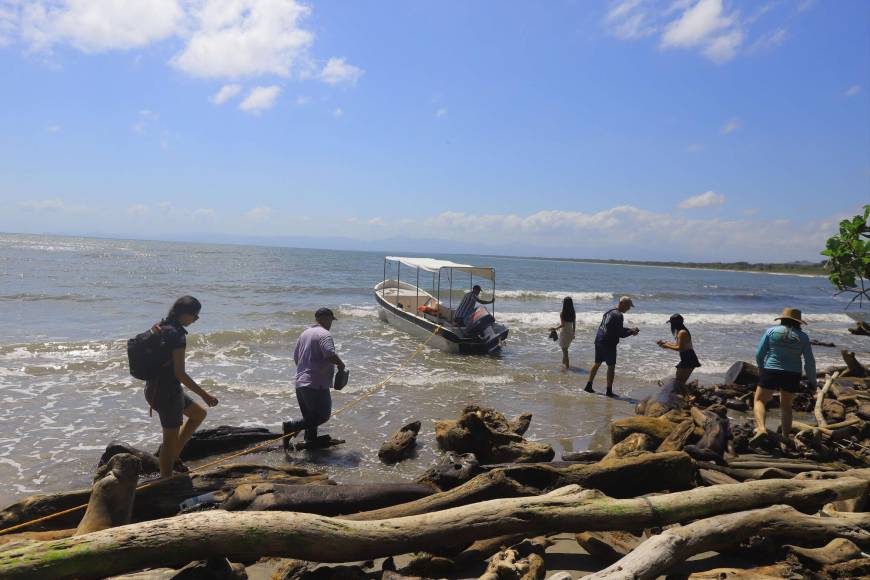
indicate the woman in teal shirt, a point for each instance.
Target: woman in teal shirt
{"x":779,"y":356}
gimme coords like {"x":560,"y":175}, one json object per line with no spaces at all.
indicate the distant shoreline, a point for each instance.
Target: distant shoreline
{"x":780,"y":269}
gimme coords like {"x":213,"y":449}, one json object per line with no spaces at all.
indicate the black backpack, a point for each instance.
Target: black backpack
{"x":146,"y":353}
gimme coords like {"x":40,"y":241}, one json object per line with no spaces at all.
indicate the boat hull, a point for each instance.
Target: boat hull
{"x":446,"y":339}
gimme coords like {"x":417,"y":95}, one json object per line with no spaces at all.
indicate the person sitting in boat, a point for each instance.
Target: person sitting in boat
{"x":466,"y":307}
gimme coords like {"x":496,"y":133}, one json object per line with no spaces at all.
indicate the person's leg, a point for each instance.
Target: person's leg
{"x":168,"y":451}
{"x":759,"y":409}
{"x":683,"y":374}
{"x":307,"y":408}
{"x":592,"y":373}
{"x":786,"y":399}
{"x":565,"y":357}
{"x":195,"y":416}
{"x":323,"y":406}
{"x":611,"y":373}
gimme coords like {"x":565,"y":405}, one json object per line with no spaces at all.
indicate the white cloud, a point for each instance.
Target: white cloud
{"x":853,"y":90}
{"x":806,"y":5}
{"x":705,"y":25}
{"x":732,"y":125}
{"x":302,"y":100}
{"x":144,"y":119}
{"x":769,"y":40}
{"x":338,"y":113}
{"x":337,"y":71}
{"x":377,"y":222}
{"x":138,"y":210}
{"x":630,"y":19}
{"x":53,"y":128}
{"x":226,"y":93}
{"x":441,"y":113}
{"x":260,"y":99}
{"x":238,"y":38}
{"x":205,"y":214}
{"x":53,"y":205}
{"x":259,"y":213}
{"x":165,"y":207}
{"x":695,"y":148}
{"x":98,"y":26}
{"x":706,"y":199}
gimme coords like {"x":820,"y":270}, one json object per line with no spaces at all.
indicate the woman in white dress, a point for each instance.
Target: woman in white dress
{"x":567,"y":319}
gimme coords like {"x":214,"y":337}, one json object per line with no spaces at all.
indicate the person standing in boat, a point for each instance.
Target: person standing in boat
{"x":682,"y":344}
{"x":567,"y":322}
{"x":315,"y":359}
{"x":466,"y":306}
{"x":779,"y":356}
{"x":609,"y":332}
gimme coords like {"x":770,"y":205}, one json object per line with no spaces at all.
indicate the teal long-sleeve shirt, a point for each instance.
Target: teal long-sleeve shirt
{"x":781,"y":348}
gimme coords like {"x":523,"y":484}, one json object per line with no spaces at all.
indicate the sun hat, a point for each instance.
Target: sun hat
{"x":791,"y":314}
{"x":627,"y":300}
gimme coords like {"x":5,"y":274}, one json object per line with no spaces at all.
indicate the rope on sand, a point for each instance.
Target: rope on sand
{"x":366,"y":394}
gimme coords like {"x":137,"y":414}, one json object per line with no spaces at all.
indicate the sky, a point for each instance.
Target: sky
{"x":648,"y":129}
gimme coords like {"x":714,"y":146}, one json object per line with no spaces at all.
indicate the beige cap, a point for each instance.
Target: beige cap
{"x":626,"y":300}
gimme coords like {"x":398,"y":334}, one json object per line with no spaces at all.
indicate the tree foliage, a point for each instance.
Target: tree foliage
{"x":848,"y":255}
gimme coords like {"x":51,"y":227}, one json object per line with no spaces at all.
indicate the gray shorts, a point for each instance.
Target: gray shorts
{"x":170,"y":401}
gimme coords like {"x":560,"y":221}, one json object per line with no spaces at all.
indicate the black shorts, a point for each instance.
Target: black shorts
{"x":688,"y":360}
{"x":169,"y":400}
{"x":774,"y":379}
{"x":605,"y":353}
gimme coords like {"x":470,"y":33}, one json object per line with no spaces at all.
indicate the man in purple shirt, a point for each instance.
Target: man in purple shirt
{"x":315,"y":358}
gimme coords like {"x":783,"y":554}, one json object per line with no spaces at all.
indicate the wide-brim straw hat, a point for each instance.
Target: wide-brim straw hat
{"x":791,"y":314}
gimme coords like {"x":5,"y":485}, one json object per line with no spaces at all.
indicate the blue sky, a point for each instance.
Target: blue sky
{"x":687,"y":129}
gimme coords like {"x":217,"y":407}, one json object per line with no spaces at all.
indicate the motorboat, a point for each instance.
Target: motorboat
{"x":418,"y":311}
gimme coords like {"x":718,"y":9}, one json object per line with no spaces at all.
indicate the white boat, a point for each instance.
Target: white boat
{"x":419,"y":312}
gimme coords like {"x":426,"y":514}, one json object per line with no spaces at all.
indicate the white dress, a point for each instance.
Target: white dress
{"x":566,"y":337}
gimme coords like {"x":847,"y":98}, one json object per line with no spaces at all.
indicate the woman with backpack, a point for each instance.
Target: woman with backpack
{"x":567,"y":322}
{"x":164,"y":392}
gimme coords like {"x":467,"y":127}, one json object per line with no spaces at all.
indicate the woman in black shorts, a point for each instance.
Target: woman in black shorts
{"x":682,"y":344}
{"x":165,"y":394}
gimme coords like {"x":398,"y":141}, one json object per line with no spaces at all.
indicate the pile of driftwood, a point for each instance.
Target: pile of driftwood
{"x":677,"y":481}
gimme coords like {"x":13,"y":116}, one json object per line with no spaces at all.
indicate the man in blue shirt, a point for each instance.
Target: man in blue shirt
{"x":779,"y":356}
{"x":609,"y":332}
{"x":466,"y":307}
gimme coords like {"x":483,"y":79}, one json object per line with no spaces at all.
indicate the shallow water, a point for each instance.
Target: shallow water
{"x":68,"y":305}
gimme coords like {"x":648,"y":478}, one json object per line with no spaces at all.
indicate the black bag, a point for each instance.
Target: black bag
{"x":146,"y":353}
{"x":553,"y":335}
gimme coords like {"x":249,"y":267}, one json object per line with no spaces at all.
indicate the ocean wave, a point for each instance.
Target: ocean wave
{"x":547,"y":319}
{"x":29,"y":297}
{"x":553,"y":295}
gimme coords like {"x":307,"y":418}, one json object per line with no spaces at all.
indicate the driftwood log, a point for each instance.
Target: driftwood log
{"x":656,"y":427}
{"x":491,"y":437}
{"x":208,"y":442}
{"x":675,"y":545}
{"x":248,"y":535}
{"x":820,"y":399}
{"x":401,"y":444}
{"x":450,"y":470}
{"x":156,"y":501}
{"x":742,"y":373}
{"x":627,"y":477}
{"x":853,"y":367}
{"x":524,"y":561}
{"x":669,"y":397}
{"x":714,"y":441}
{"x":111,"y":501}
{"x":327,"y":500}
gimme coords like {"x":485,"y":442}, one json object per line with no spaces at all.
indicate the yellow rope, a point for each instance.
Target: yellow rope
{"x":368,"y":393}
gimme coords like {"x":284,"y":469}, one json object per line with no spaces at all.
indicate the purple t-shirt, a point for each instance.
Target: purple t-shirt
{"x":313,"y":370}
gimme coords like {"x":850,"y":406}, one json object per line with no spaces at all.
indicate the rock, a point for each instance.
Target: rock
{"x":401,"y":444}
{"x":669,"y":397}
{"x":326,"y":500}
{"x":214,"y":569}
{"x":208,"y":442}
{"x":742,"y":373}
{"x":656,"y":427}
{"x":584,"y":456}
{"x":111,"y":501}
{"x":834,"y":411}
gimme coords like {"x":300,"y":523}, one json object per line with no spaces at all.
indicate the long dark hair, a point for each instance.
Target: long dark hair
{"x":677,"y":324}
{"x":184,"y":305}
{"x":568,"y":314}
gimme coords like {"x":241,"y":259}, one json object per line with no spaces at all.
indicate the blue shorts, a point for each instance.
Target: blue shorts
{"x":169,"y":401}
{"x":605,"y":353}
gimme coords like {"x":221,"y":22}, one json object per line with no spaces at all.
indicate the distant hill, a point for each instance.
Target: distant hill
{"x":802,"y":267}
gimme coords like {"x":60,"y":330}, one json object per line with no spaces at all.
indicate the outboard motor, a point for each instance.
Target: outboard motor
{"x":480,"y":325}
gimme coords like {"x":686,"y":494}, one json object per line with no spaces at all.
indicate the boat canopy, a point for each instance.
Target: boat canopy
{"x":433,"y":265}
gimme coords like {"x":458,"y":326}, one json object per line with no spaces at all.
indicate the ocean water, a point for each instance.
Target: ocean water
{"x":68,"y":304}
